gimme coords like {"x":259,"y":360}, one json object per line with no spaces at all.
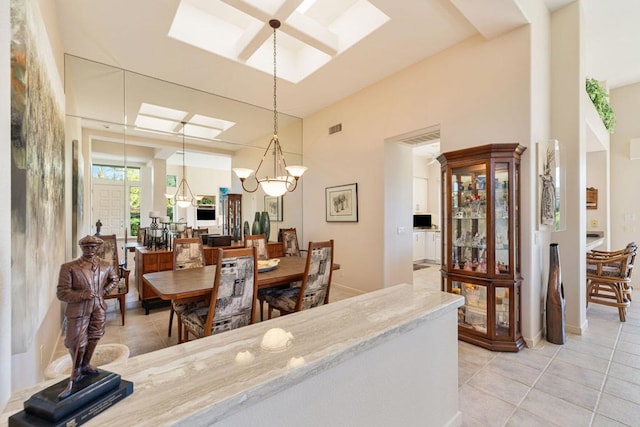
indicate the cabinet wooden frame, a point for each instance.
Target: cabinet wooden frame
{"x":481,"y":242}
{"x":231,"y":210}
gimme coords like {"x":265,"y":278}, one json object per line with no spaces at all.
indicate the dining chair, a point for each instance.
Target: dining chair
{"x":109,"y":252}
{"x":187,"y":253}
{"x":630,"y":248}
{"x":609,"y":278}
{"x":289,"y":239}
{"x":233,"y":297}
{"x":259,"y":241}
{"x":315,"y":286}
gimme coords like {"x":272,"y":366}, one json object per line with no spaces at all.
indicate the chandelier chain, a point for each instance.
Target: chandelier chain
{"x":275,"y":88}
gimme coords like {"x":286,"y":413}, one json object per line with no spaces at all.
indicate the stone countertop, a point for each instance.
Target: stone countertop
{"x":436,"y":229}
{"x":200,"y":382}
{"x":594,"y":239}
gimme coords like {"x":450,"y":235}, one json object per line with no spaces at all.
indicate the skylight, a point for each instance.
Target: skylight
{"x":156,"y":118}
{"x":312,"y":32}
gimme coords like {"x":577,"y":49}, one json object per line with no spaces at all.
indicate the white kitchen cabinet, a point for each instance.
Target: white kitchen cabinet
{"x":419,"y":246}
{"x":432,"y":246}
{"x":419,"y":194}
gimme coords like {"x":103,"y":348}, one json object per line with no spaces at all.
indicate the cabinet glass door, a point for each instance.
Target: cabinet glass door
{"x":469,"y":223}
{"x":502,"y":232}
{"x":502,"y":311}
{"x":473,"y":314}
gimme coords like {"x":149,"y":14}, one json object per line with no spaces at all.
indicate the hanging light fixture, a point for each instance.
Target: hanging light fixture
{"x":183,"y":197}
{"x":285,"y":178}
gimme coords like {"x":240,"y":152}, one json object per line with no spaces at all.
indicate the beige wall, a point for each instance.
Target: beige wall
{"x":568,"y":125}
{"x":478,"y":91}
{"x":625,"y":173}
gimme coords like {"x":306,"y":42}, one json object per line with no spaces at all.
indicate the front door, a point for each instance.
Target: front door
{"x":108,"y":207}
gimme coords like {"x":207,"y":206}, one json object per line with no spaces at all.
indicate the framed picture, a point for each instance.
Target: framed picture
{"x":342,"y":203}
{"x":273,"y":206}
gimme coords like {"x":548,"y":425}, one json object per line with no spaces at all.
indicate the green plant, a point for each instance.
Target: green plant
{"x":600,"y":100}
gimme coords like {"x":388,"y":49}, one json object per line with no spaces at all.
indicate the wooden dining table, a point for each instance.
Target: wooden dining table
{"x":195,"y":282}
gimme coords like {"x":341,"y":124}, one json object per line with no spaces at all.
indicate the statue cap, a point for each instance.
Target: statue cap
{"x":90,"y":241}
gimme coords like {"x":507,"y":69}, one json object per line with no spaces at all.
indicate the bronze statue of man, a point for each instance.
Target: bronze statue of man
{"x":82,"y":284}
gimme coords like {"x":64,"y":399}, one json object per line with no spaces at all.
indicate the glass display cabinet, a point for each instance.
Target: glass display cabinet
{"x":481,"y":242}
{"x":232,"y":215}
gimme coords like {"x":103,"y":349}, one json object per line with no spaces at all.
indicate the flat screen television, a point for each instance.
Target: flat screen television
{"x":421,"y":220}
{"x":206,"y":214}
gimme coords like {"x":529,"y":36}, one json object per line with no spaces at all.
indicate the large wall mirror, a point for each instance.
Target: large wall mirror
{"x":128,"y":132}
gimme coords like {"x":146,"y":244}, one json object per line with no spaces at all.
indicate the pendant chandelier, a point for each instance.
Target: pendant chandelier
{"x":183,"y":197}
{"x":284,"y":178}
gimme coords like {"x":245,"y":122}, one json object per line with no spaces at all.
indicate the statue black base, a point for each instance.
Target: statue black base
{"x":91,"y":395}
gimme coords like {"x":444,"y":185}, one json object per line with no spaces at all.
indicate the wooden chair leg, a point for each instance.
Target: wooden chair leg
{"x":170,"y":320}
{"x":179,"y":322}
{"x":123,"y":306}
{"x":185,"y":334}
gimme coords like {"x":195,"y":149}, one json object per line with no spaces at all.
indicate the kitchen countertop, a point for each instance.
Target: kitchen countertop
{"x":594,"y":239}
{"x":201,"y":382}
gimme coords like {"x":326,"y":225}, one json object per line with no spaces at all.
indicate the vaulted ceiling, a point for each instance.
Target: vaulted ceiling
{"x":135,"y":35}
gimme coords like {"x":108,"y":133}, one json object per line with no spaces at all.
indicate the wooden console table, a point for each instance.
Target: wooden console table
{"x":148,"y":261}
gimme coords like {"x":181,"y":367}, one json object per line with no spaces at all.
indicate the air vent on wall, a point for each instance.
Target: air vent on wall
{"x":335,"y":129}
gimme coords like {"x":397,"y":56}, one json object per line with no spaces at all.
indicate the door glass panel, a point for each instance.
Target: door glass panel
{"x":502,"y":311}
{"x":501,"y":197}
{"x":473,"y":314}
{"x":469,"y":224}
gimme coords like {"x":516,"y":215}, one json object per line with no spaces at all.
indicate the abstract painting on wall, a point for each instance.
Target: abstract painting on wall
{"x":77,"y":202}
{"x":37,"y":173}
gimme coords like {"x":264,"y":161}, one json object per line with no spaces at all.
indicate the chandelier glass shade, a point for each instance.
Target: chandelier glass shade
{"x":183,"y":197}
{"x":284,"y":178}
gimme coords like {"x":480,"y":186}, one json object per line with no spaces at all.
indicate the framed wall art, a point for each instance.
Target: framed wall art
{"x":273,"y":206}
{"x":342,"y":203}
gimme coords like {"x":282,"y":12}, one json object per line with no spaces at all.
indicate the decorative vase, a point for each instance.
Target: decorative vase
{"x":555,"y":304}
{"x":265,"y":225}
{"x":246,"y":229}
{"x":255,"y":228}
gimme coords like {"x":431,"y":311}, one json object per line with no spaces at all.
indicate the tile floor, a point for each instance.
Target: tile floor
{"x":591,"y":380}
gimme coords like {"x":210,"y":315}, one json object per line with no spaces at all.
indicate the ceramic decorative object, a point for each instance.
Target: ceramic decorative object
{"x":247,"y":228}
{"x":555,"y":305}
{"x":255,"y":228}
{"x":265,"y":225}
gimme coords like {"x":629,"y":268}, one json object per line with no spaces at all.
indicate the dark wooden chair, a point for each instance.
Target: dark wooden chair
{"x":109,"y":252}
{"x":289,"y":239}
{"x":233,"y":296}
{"x":187,"y":253}
{"x":315,"y":286}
